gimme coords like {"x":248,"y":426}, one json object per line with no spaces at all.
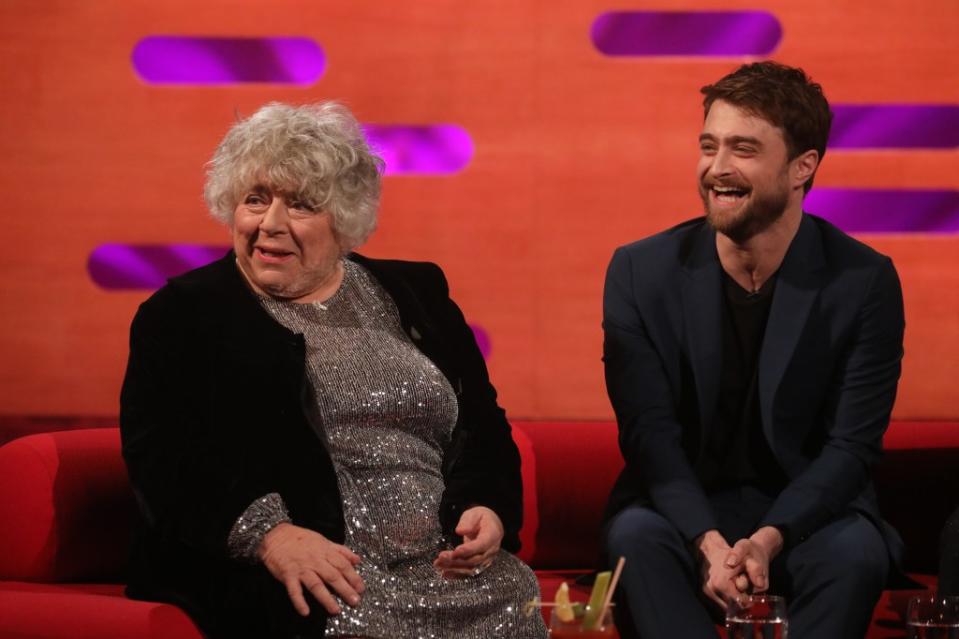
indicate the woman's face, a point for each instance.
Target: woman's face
{"x":286,"y":248}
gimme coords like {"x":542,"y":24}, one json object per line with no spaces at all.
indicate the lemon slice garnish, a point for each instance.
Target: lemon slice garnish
{"x":564,"y":610}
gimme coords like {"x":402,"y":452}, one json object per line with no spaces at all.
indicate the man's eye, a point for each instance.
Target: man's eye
{"x":745,"y":150}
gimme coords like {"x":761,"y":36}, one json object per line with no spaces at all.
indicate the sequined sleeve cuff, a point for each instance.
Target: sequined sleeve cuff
{"x":258,"y":519}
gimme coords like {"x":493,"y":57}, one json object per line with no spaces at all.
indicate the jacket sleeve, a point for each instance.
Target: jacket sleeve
{"x":856,"y":416}
{"x":190,"y":485}
{"x":483,"y":464}
{"x":650,"y":433}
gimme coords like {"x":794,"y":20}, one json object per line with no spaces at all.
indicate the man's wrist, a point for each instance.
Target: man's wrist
{"x":770,"y":539}
{"x":709,"y":540}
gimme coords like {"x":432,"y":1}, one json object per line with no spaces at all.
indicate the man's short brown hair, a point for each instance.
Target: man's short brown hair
{"x":783,"y":96}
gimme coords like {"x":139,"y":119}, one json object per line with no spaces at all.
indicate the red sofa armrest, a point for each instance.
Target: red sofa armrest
{"x":66,"y":506}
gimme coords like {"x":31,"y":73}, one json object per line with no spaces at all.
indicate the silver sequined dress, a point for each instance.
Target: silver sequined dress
{"x":386,"y":415}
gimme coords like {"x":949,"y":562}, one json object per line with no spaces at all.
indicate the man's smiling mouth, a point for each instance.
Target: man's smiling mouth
{"x":729,"y":193}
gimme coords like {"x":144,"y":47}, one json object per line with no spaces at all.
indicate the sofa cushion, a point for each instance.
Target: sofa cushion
{"x":70,"y":498}
{"x":86,"y":611}
{"x":571,"y":469}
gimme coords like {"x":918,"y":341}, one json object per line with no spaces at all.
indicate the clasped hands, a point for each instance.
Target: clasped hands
{"x":303,"y":558}
{"x":728,"y":572}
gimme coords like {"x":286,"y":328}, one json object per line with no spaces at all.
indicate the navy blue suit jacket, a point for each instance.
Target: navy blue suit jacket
{"x":828,"y":369}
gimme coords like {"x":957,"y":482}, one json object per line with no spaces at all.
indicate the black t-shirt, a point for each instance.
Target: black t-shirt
{"x":736,"y":450}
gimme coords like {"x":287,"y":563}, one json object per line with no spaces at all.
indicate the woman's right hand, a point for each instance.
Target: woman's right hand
{"x":300,"y":557}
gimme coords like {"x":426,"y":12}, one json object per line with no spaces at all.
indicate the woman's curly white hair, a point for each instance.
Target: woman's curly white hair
{"x":316,"y":152}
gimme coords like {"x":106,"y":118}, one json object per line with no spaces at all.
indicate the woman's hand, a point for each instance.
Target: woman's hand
{"x":300,"y":557}
{"x":482,"y":533}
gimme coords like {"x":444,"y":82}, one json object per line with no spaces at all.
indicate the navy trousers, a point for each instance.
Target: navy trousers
{"x":949,"y":556}
{"x":831,"y":581}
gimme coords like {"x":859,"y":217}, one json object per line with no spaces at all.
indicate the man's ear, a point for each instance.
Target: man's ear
{"x":804,"y":167}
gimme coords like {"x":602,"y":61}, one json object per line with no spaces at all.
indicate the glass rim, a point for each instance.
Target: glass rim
{"x":746,"y":605}
{"x":760,"y":597}
{"x":744,"y":601}
{"x":931,"y":597}
{"x":608,"y":610}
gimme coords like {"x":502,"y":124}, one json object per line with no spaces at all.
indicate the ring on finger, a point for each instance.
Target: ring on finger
{"x":483,"y":566}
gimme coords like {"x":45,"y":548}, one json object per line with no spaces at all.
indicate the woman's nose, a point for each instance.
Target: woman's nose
{"x":276,"y":217}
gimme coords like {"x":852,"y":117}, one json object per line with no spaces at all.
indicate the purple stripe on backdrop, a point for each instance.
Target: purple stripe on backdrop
{"x":121,"y":267}
{"x":686,"y":33}
{"x":436,"y":149}
{"x":214,"y":60}
{"x":887,"y":210}
{"x":482,"y":340}
{"x":146,"y":266}
{"x":895,"y":126}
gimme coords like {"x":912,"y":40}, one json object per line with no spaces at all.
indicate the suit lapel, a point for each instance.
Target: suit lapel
{"x":797,"y":287}
{"x":702,"y":318}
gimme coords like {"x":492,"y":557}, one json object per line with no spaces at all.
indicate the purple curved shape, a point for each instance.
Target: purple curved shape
{"x":482,"y":340}
{"x":215,"y":60}
{"x":686,"y":33}
{"x":146,"y":266}
{"x":421,"y":149}
{"x":895,"y":126}
{"x":887,"y":210}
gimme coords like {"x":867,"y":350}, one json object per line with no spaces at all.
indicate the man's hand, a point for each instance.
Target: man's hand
{"x":482,"y":533}
{"x":300,"y":557}
{"x":719,"y":579}
{"x":753,"y":557}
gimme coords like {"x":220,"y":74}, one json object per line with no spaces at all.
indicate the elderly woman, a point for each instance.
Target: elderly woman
{"x":312,"y":435}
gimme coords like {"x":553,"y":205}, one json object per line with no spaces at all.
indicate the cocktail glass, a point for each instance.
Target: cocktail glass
{"x":931,"y":616}
{"x":559,"y":629}
{"x":756,"y":617}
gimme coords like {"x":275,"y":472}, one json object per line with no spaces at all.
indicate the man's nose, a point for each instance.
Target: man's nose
{"x":721,"y":164}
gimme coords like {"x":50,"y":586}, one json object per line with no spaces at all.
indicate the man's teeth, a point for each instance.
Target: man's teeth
{"x":729,"y":193}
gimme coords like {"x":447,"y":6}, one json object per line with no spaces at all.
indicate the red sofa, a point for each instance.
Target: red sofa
{"x":66,"y":511}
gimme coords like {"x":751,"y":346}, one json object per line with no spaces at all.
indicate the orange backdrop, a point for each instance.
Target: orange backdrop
{"x":575,"y":154}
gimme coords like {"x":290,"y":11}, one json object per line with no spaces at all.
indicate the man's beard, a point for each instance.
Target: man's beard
{"x":755,"y":217}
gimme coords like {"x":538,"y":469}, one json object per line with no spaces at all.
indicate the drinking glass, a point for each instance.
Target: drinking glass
{"x":931,"y":616}
{"x":756,"y":617}
{"x":574,"y":629}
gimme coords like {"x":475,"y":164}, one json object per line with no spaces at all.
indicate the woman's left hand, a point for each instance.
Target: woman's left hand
{"x":482,"y":533}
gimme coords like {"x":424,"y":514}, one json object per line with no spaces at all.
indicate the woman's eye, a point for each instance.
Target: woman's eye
{"x":303,"y":207}
{"x":254,"y":200}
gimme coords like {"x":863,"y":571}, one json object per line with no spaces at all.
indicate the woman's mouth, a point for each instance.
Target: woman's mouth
{"x":271,"y":255}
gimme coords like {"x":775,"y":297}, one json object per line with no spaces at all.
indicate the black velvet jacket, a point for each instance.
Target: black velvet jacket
{"x":213,"y":417}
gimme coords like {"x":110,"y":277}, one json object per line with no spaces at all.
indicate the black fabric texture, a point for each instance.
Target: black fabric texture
{"x":736,"y":451}
{"x":213,"y":416}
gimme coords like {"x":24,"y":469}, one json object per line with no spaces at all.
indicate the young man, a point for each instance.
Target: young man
{"x":752,"y":358}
